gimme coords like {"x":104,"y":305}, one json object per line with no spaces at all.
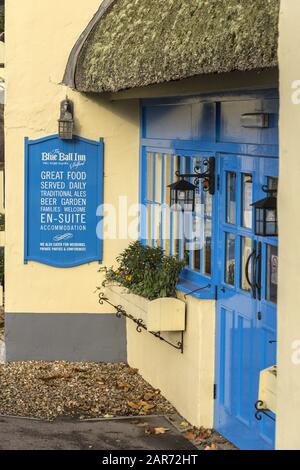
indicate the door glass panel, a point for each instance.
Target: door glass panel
{"x":231,"y":198}
{"x":246,"y":252}
{"x":247,"y":199}
{"x":230,"y":259}
{"x":272,"y":273}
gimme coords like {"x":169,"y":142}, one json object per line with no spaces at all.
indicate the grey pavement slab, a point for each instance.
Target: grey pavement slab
{"x":116,"y":434}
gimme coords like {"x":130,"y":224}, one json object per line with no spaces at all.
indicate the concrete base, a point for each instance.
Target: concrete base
{"x":69,"y":337}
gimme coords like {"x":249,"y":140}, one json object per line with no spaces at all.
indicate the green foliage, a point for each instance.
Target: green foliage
{"x":146,"y":272}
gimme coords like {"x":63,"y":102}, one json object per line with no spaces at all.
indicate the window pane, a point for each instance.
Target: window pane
{"x":272,"y":273}
{"x":207,"y":248}
{"x":230,"y":259}
{"x":197,"y":164}
{"x":197,"y":260}
{"x":246,"y":252}
{"x":158,"y":177}
{"x":168,"y":178}
{"x":231,"y":198}
{"x":208,"y":203}
{"x":149,"y":225}
{"x":166,"y":227}
{"x":197,"y":244}
{"x":247,"y":199}
{"x":176,"y":234}
{"x":150,"y":176}
{"x":157,"y":225}
{"x":273,"y":183}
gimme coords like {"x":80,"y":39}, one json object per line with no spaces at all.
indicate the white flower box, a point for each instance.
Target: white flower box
{"x":166,"y":314}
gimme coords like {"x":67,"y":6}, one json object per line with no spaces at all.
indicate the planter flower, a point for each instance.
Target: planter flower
{"x":145,"y":286}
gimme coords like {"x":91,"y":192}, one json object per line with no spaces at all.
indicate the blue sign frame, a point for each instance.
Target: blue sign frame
{"x":63,"y":190}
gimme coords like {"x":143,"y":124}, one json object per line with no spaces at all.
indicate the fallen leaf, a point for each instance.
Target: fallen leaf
{"x":142,"y":425}
{"x":149,"y":396}
{"x":132,"y":405}
{"x":161,"y":430}
{"x":124,"y":386}
{"x":148,"y":407}
{"x":157,"y":431}
{"x":191,"y":436}
{"x":108,"y":416}
{"x":197,"y":442}
{"x":184,"y":424}
{"x":211,"y":447}
{"x":205,"y":433}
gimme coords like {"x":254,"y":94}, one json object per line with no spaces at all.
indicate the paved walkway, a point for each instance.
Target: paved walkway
{"x":116,"y":434}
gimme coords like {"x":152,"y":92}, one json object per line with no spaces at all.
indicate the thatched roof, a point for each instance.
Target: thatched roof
{"x":134,"y":43}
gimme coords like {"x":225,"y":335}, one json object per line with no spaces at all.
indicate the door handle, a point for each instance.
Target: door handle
{"x":258,"y":270}
{"x":251,"y":284}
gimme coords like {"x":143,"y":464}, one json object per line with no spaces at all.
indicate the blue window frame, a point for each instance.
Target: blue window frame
{"x":188,"y":236}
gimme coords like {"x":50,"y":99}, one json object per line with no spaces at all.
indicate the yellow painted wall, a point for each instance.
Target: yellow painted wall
{"x":288,"y":417}
{"x":39,"y":39}
{"x":186,"y":380}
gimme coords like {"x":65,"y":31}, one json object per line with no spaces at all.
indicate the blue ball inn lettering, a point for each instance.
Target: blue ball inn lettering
{"x":64,"y":187}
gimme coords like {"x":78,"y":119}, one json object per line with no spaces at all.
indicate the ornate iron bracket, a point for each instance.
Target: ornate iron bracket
{"x":208,"y":176}
{"x":271,"y":192}
{"x":262,"y":411}
{"x":140,"y":324}
{"x":208,"y":286}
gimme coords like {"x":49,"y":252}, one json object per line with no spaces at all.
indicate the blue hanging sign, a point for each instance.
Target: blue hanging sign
{"x":63,"y":189}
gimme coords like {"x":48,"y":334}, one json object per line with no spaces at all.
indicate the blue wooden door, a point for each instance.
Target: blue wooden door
{"x":246,"y":306}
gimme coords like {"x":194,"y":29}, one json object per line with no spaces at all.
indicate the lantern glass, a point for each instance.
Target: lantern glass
{"x":266,"y":224}
{"x":66,"y":120}
{"x":271,"y":222}
{"x":66,"y":129}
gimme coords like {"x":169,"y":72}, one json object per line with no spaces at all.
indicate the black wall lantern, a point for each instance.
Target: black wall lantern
{"x":183,"y":193}
{"x":265,"y":215}
{"x":66,"y":120}
{"x":183,"y":196}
